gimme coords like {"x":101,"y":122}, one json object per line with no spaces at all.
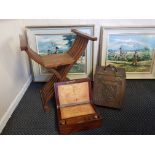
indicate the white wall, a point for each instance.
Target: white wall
{"x":14,"y":69}
{"x":14,"y":66}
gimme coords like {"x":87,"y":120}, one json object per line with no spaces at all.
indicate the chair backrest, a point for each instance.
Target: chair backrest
{"x":79,"y":44}
{"x":77,"y":48}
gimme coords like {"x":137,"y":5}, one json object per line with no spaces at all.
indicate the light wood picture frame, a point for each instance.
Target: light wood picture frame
{"x":132,"y":48}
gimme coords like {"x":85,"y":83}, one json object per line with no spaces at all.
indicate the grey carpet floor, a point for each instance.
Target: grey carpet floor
{"x":137,"y":117}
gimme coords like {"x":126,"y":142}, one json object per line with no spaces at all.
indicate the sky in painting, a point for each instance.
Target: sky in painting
{"x":50,"y":42}
{"x":130,"y":41}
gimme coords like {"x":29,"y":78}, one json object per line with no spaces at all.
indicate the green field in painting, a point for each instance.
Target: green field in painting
{"x":142,"y":66}
{"x":144,"y":61}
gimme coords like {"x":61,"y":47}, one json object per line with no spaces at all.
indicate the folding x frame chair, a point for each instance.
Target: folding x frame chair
{"x":58,"y":64}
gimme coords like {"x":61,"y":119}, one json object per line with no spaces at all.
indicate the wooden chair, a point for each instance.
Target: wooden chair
{"x":58,"y":64}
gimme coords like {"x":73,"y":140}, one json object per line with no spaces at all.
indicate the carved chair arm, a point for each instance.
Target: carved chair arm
{"x":85,"y":35}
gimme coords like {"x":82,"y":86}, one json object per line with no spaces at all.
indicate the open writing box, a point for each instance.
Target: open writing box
{"x":75,"y":109}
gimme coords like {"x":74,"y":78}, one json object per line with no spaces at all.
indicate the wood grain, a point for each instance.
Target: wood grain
{"x":77,"y":110}
{"x":74,"y":93}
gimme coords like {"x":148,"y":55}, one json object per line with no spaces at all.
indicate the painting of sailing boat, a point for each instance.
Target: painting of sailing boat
{"x":134,"y":52}
{"x":59,"y":43}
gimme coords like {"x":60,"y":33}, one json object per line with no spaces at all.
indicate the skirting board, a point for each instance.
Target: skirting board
{"x":14,"y":104}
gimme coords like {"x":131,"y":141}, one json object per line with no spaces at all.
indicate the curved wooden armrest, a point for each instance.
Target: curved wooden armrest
{"x":85,"y":35}
{"x":23,"y":43}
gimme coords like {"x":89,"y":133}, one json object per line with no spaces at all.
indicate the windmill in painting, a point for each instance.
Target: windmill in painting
{"x":59,"y":43}
{"x":134,"y":52}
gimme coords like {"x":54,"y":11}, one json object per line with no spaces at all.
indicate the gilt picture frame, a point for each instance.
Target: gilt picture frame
{"x":59,"y":39}
{"x":132,"y":48}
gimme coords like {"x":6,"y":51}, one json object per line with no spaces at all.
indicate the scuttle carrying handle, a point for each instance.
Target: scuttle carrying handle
{"x":110,"y":67}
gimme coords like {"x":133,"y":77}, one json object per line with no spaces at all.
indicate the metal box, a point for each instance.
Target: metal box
{"x":109,"y":86}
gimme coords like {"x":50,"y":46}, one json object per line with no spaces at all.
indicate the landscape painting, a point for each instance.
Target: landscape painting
{"x":134,"y":52}
{"x":56,"y":44}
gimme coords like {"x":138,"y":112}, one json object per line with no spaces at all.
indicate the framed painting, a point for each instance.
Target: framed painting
{"x":59,"y":39}
{"x":132,"y":48}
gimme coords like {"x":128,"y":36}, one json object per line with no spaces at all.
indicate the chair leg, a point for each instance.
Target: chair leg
{"x":45,"y":104}
{"x":47,"y":92}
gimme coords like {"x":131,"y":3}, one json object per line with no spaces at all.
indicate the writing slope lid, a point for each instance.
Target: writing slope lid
{"x":74,"y":98}
{"x":73,"y":92}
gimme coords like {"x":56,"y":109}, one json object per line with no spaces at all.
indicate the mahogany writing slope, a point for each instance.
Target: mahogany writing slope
{"x":75,"y":108}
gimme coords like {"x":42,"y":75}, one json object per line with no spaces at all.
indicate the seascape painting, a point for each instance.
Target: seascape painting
{"x":134,"y":52}
{"x":56,"y":44}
